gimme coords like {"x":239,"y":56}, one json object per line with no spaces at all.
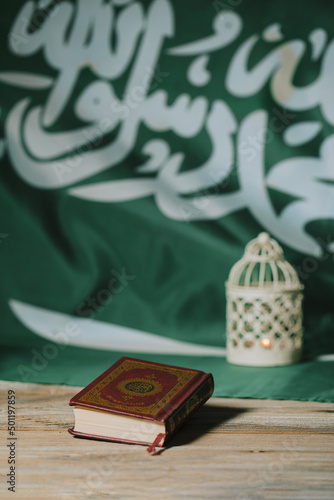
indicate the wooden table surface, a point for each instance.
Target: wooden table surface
{"x":231,"y":448}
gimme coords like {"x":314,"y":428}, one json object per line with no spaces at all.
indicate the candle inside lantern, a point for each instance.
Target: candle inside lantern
{"x":265,"y":342}
{"x":264,"y":307}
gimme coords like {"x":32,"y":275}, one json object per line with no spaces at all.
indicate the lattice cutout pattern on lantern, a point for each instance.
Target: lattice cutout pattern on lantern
{"x":272,"y":324}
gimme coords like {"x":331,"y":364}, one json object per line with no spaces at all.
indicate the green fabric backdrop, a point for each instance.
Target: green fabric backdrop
{"x":143,"y":144}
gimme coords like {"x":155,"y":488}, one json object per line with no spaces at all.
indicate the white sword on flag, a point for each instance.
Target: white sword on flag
{"x":90,"y":333}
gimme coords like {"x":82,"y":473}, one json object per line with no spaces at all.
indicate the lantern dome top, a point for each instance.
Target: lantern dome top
{"x":263,"y":266}
{"x":263,"y":248}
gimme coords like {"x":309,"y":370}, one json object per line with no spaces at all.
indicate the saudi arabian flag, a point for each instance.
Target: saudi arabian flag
{"x":143,"y":144}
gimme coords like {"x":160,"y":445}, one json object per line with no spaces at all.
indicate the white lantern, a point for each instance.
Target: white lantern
{"x":264,"y":307}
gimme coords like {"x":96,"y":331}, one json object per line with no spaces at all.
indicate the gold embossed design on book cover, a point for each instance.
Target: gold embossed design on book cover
{"x":149,"y":388}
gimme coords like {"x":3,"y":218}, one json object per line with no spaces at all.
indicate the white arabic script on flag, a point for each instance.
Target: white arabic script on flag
{"x":75,"y":36}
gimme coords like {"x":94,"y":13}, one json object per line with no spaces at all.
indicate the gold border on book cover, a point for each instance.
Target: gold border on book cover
{"x":94,"y":394}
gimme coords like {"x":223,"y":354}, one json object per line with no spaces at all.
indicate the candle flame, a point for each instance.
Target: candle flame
{"x":265,"y":343}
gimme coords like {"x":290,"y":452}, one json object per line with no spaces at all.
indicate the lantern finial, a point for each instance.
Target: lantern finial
{"x":263,"y":238}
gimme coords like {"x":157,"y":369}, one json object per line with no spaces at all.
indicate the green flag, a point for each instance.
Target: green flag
{"x":143,"y":144}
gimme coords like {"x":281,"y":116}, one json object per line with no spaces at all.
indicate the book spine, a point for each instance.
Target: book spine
{"x":196,"y":399}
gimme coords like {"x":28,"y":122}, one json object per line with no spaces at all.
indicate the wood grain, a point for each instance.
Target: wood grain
{"x":231,"y":448}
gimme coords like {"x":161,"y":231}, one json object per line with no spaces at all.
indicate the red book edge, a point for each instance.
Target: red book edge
{"x":105,"y":438}
{"x":203,"y":391}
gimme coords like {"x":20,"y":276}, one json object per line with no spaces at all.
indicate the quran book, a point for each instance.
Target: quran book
{"x":139,"y":402}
